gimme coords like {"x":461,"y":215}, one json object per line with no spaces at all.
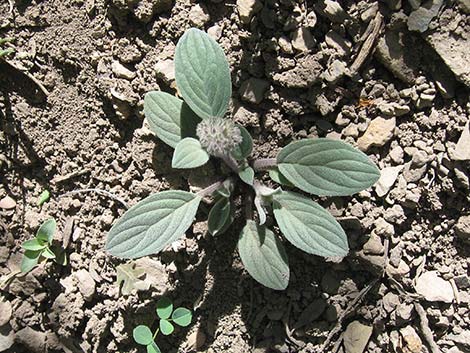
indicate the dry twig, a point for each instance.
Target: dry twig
{"x":426,"y":331}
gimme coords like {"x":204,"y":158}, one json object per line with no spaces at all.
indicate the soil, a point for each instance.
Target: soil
{"x":379,"y":75}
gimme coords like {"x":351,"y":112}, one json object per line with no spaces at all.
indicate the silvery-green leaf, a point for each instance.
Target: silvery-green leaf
{"x":182,"y":316}
{"x":189,"y":154}
{"x":142,"y":335}
{"x":264,"y":256}
{"x":166,"y":327}
{"x":202,"y":74}
{"x":30,"y":260}
{"x":309,"y":226}
{"x":247,"y":174}
{"x":244,"y":149}
{"x":46,"y":231}
{"x":260,"y":209}
{"x":153,"y":223}
{"x":326,"y":167}
{"x":219,"y":216}
{"x":169,"y":117}
{"x":276,"y":175}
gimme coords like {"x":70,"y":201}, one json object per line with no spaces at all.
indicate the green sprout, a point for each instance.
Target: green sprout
{"x":4,"y":52}
{"x":198,"y":129}
{"x":168,"y":317}
{"x":41,"y":247}
{"x":43,"y":198}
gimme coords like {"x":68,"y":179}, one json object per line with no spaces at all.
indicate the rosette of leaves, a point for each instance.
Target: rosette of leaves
{"x":41,"y":248}
{"x":197,"y":127}
{"x":168,"y":318}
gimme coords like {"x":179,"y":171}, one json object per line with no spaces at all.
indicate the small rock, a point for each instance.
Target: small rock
{"x":311,"y":312}
{"x":462,"y":149}
{"x":302,"y":40}
{"x":462,"y":339}
{"x":165,"y":69}
{"x":307,"y":72}
{"x":197,"y":339}
{"x":122,"y":71}
{"x":253,"y":90}
{"x":388,"y":176}
{"x":398,"y":272}
{"x":373,"y":246}
{"x":411,"y":341}
{"x":464,"y":5}
{"x":403,"y":313}
{"x":7,"y":203}
{"x":337,"y":42}
{"x":285,"y":45}
{"x":462,"y":228}
{"x":420,"y":18}
{"x":34,"y":341}
{"x":5,"y":312}
{"x":379,"y":132}
{"x":86,"y":284}
{"x":393,"y":109}
{"x":333,"y":10}
{"x":462,"y":281}
{"x":335,"y":71}
{"x":390,"y":301}
{"x":356,"y":337}
{"x":247,"y":9}
{"x":433,"y":288}
{"x":198,"y":15}
{"x":7,"y":338}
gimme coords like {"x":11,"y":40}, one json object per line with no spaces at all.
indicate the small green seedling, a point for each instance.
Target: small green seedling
{"x":43,"y":198}
{"x":40,"y":247}
{"x":197,"y":128}
{"x":168,"y":317}
{"x":4,"y":52}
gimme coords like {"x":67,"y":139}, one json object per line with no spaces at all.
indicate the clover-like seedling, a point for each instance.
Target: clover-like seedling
{"x":197,"y":128}
{"x":40,"y":247}
{"x":167,"y":318}
{"x":4,"y":52}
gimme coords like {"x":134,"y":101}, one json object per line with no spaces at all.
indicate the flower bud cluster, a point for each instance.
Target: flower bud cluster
{"x":218,"y":136}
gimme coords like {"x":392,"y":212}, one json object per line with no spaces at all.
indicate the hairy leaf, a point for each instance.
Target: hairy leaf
{"x":247,"y":174}
{"x":30,"y":260}
{"x":34,"y":245}
{"x":169,"y":117}
{"x":309,"y":226}
{"x":326,"y":167}
{"x":142,"y":335}
{"x":189,"y":154}
{"x":219,"y":216}
{"x":202,"y":74}
{"x":46,"y":231}
{"x":166,"y":327}
{"x":277,"y":176}
{"x":153,"y":223}
{"x":164,"y":308}
{"x":264,"y":256}
{"x":182,"y":316}
{"x":131,"y":278}
{"x":244,"y":149}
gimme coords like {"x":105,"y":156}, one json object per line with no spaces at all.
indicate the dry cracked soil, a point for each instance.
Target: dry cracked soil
{"x":391,"y":77}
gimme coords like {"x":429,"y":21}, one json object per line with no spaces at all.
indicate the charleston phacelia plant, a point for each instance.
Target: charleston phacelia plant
{"x":197,"y":128}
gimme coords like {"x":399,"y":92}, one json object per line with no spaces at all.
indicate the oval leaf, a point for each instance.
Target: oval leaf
{"x":326,"y":167}
{"x":153,"y":348}
{"x":182,"y":316}
{"x":264,"y":256}
{"x":169,"y":117}
{"x":202,"y":74}
{"x":153,"y":223}
{"x":166,"y":327}
{"x":164,"y":308}
{"x":276,"y":176}
{"x":309,"y":226}
{"x":34,"y":245}
{"x":30,"y":260}
{"x":219,"y":216}
{"x":44,"y":197}
{"x":244,"y":149}
{"x":247,"y":175}
{"x":189,"y":154}
{"x":142,"y":335}
{"x":48,"y":254}
{"x":46,"y":230}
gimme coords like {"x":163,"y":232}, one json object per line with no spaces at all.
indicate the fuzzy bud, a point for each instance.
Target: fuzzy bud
{"x":218,"y":136}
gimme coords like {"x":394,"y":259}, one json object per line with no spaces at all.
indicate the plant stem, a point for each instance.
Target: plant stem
{"x":249,"y":206}
{"x":230,"y":161}
{"x":156,"y":333}
{"x":210,"y":189}
{"x":264,"y":163}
